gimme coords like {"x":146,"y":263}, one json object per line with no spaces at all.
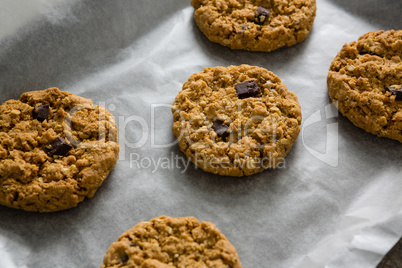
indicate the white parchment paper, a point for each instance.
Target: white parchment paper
{"x":335,"y":201}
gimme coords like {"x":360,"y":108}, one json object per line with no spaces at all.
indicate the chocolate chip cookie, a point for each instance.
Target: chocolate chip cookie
{"x":56,"y":148}
{"x":255,"y":25}
{"x":365,"y":83}
{"x":236,"y":121}
{"x":172,"y":242}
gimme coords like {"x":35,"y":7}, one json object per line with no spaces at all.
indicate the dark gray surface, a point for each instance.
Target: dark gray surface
{"x":393,"y":259}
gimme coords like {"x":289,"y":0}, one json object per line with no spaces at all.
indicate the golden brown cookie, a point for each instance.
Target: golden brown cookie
{"x":166,"y":242}
{"x":255,"y":25}
{"x":56,"y":148}
{"x":236,"y":121}
{"x":365,"y":83}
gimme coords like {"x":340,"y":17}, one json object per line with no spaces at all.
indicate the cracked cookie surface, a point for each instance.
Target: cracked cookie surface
{"x":255,"y":25}
{"x":56,"y":148}
{"x":228,"y":131}
{"x":365,"y":83}
{"x":167,"y":242}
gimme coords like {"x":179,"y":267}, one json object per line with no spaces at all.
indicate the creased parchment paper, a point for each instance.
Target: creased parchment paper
{"x":335,"y":202}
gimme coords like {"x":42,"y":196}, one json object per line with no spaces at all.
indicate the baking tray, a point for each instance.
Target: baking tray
{"x":334,"y":202}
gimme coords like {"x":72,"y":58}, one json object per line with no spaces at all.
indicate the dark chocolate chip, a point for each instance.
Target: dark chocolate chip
{"x":247,"y":89}
{"x":41,"y":113}
{"x":396,"y":92}
{"x":59,"y":147}
{"x":261,"y":15}
{"x":220,"y":129}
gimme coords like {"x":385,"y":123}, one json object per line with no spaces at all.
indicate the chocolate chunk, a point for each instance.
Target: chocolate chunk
{"x":396,"y":92}
{"x":261,"y":15}
{"x":41,"y":113}
{"x":59,"y":147}
{"x":247,"y":89}
{"x":220,"y":129}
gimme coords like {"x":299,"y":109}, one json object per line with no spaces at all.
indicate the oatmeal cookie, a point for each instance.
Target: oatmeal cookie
{"x":236,"y":121}
{"x":166,"y":242}
{"x":56,"y":148}
{"x":255,"y":25}
{"x":365,"y":83}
